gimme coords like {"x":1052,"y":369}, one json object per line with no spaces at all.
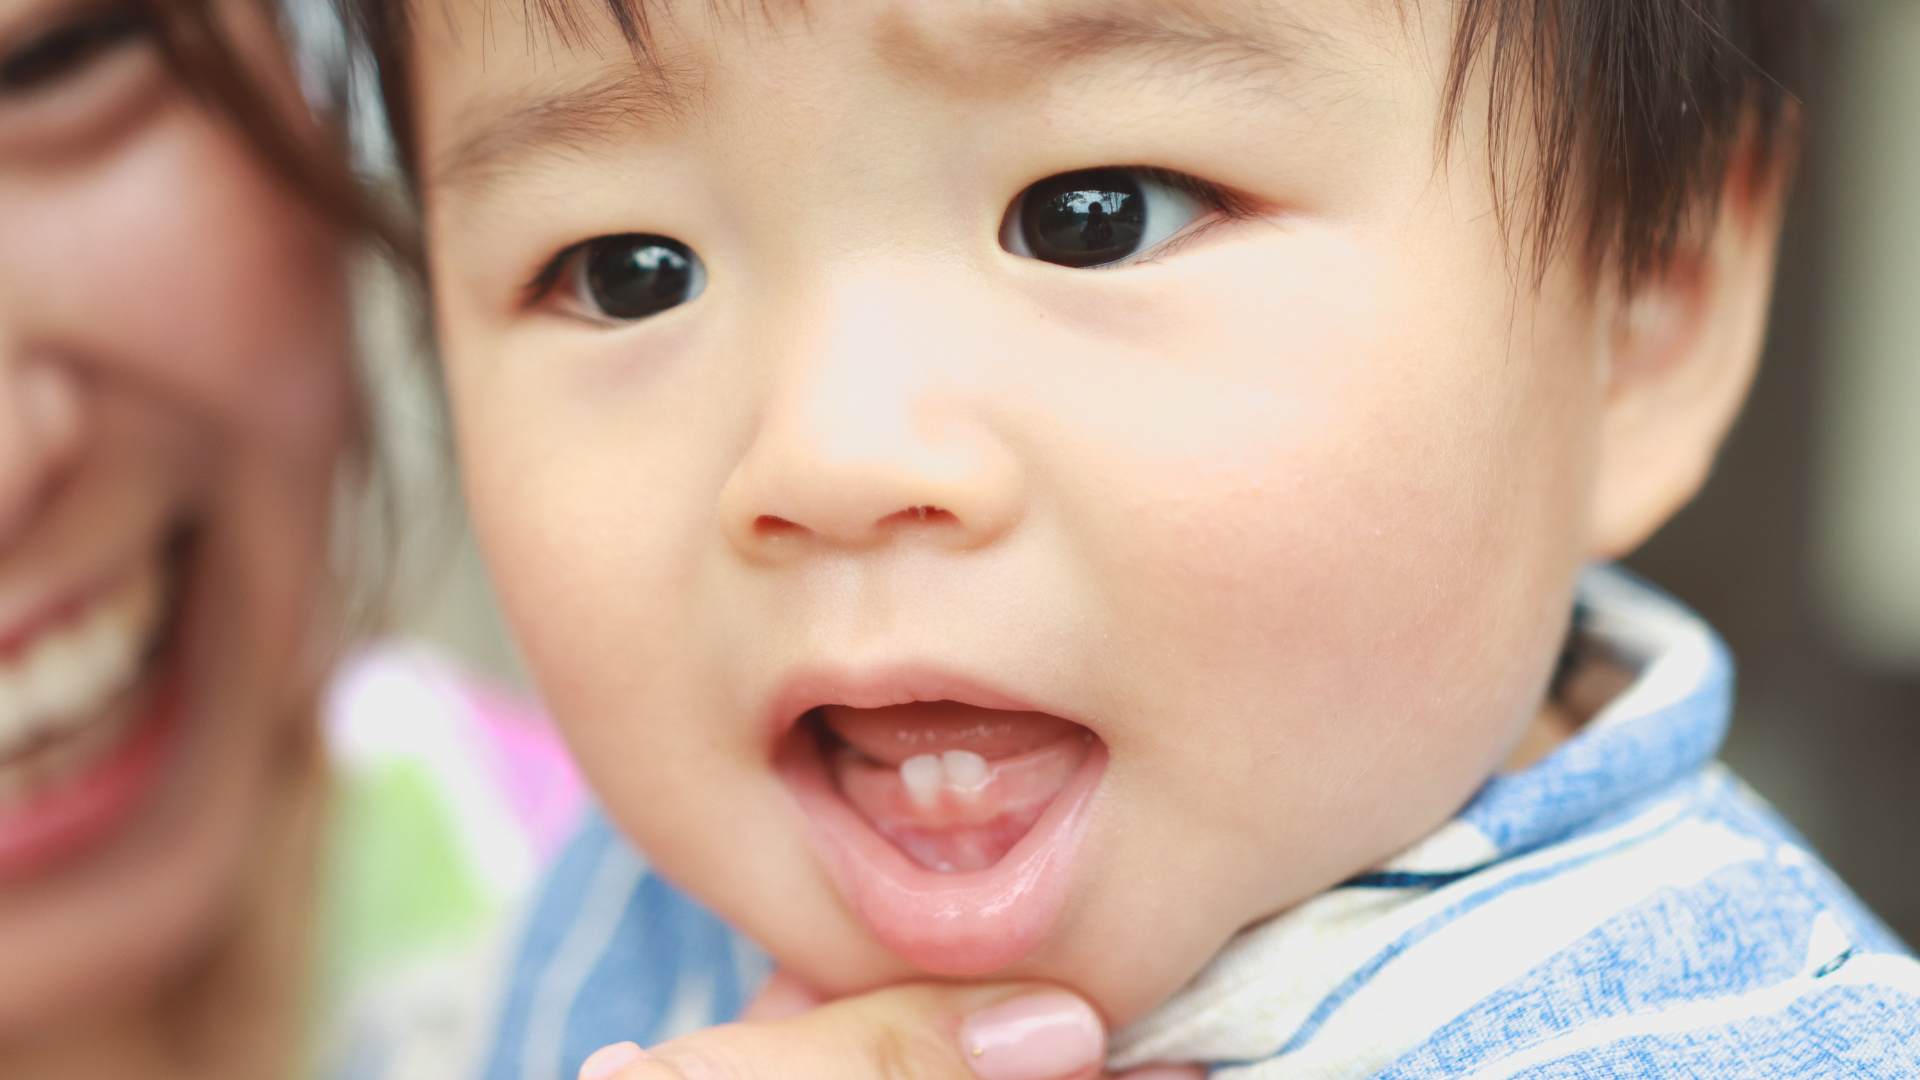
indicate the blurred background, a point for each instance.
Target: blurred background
{"x":1804,"y":549}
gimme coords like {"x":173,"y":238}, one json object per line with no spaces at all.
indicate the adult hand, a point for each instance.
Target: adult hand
{"x":919,"y":1032}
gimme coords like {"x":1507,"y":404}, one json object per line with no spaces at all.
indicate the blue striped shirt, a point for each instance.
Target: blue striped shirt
{"x":1623,"y":908}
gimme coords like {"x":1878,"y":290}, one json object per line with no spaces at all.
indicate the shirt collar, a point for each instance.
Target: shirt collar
{"x":1264,"y":990}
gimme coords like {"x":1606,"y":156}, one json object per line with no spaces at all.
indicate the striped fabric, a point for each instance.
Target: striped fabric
{"x":1624,"y":908}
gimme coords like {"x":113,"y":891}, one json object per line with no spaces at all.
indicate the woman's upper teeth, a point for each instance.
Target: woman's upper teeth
{"x":70,"y":672}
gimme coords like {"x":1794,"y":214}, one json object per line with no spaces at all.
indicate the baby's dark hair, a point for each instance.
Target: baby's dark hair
{"x":1632,"y":115}
{"x":1636,"y":114}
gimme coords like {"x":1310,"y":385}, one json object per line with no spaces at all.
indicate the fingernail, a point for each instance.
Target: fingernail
{"x":609,"y":1060}
{"x":1040,"y":1036}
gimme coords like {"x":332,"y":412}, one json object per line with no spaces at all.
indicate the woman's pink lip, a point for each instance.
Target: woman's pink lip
{"x":954,"y":924}
{"x":60,"y":823}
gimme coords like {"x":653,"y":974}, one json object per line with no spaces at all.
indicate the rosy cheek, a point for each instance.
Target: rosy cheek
{"x":1308,"y":508}
{"x":248,"y":323}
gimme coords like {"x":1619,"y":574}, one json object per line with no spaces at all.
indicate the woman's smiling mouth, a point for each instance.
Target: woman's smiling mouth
{"x":951,"y":828}
{"x":83,"y":716}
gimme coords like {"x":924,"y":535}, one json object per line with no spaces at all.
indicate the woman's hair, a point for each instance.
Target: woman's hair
{"x":1625,"y":117}
{"x":198,"y":46}
{"x":313,"y":161}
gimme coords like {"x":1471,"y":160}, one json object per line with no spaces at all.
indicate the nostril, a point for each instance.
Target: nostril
{"x":915,"y":514}
{"x":769,"y":525}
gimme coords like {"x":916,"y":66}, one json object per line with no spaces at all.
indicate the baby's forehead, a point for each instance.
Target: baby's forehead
{"x":933,"y":35}
{"x":540,"y":69}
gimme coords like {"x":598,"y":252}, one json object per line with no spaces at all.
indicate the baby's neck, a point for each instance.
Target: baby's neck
{"x":1595,"y":679}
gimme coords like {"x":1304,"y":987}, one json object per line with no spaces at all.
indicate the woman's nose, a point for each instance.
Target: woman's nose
{"x":39,"y":433}
{"x":876,"y":434}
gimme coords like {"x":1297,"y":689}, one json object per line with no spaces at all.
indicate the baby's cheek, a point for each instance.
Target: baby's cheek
{"x":1329,"y":632}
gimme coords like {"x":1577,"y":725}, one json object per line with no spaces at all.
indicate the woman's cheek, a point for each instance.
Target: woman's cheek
{"x":250,"y":323}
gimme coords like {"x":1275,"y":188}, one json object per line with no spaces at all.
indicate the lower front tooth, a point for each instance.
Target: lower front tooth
{"x":922,"y":774}
{"x":966,"y":771}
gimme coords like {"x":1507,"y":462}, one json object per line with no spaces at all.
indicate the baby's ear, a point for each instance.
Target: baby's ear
{"x":1683,"y":351}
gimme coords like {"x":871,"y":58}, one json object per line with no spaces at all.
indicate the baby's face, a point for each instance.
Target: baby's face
{"x":1221,"y":570}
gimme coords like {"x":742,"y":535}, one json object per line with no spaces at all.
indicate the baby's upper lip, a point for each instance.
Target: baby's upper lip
{"x":897,"y":683}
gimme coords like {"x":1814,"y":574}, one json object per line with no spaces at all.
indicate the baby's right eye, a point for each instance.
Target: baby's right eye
{"x":630,"y":276}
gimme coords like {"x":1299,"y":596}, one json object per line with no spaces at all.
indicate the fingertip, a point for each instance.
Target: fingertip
{"x":1047,"y":1035}
{"x":608,"y":1060}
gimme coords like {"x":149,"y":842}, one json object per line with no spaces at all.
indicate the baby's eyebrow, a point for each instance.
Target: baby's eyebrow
{"x":502,"y":133}
{"x":1003,"y":50}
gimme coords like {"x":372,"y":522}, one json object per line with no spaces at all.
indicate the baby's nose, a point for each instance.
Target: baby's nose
{"x":878,"y":433}
{"x":859,"y":471}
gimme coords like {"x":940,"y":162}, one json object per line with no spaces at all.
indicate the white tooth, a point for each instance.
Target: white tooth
{"x":56,"y":674}
{"x":13,"y":709}
{"x":62,"y":680}
{"x":115,"y":640}
{"x":966,"y":770}
{"x":922,"y":774}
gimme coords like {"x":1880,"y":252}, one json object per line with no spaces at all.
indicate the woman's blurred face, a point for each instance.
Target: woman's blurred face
{"x":173,"y":399}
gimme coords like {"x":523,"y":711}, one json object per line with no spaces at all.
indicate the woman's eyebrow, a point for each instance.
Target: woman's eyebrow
{"x":1219,"y":43}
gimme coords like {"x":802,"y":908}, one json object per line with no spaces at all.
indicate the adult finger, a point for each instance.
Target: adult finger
{"x":921,"y":1032}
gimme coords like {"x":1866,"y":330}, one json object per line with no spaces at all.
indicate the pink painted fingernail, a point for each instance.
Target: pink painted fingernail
{"x":1042,"y":1036}
{"x":609,"y":1060}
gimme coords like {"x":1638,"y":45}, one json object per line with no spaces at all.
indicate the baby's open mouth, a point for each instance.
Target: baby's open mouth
{"x":954,"y":787}
{"x":951,"y":829}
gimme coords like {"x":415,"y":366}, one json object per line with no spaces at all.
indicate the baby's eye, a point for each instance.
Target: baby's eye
{"x":633,"y":275}
{"x":1098,"y":216}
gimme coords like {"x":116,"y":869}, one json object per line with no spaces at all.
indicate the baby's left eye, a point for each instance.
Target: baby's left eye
{"x":1095,"y":217}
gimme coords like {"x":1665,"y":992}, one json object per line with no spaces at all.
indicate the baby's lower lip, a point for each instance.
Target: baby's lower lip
{"x":963,"y":868}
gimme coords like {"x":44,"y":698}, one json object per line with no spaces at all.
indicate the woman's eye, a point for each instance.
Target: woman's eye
{"x":66,"y":50}
{"x":1098,"y":216}
{"x":636,"y":275}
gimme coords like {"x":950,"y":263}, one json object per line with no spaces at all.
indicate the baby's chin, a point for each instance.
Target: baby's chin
{"x":1124,"y":975}
{"x":952,"y":830}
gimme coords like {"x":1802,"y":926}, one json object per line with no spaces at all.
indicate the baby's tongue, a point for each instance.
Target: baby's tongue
{"x":953,"y":786}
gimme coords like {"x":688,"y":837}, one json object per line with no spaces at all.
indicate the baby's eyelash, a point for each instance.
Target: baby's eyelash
{"x":540,"y":286}
{"x":1228,"y":206}
{"x":1229,"y":203}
